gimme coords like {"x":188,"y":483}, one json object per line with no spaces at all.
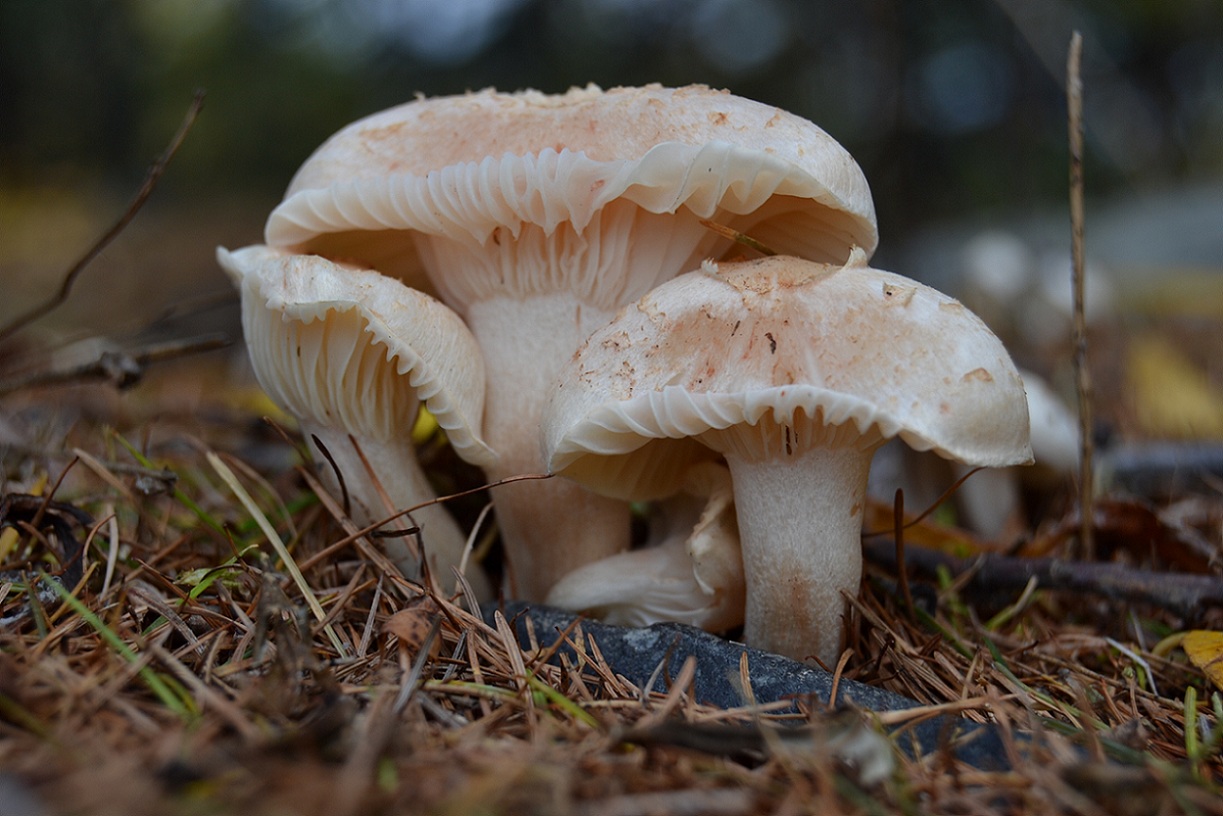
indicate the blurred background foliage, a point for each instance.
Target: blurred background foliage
{"x":953,"y":110}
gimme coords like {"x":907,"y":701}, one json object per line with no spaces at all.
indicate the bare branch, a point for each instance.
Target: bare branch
{"x":146,"y":189}
{"x":1184,"y":594}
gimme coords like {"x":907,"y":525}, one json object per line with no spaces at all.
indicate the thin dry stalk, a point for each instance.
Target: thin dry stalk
{"x":146,"y":189}
{"x":1082,"y":375}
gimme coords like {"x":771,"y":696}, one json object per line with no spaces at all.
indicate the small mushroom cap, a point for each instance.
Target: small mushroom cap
{"x":344,"y":347}
{"x":694,"y":575}
{"x":470,"y":166}
{"x":800,"y":353}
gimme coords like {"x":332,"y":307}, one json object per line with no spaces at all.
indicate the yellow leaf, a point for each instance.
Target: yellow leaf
{"x":253,"y":400}
{"x":426,"y":426}
{"x":10,"y":536}
{"x":1205,"y":650}
{"x":1172,"y":397}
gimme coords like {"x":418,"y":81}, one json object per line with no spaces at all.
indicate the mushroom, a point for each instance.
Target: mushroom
{"x":991,"y":501}
{"x":352,"y":354}
{"x":796,"y":372}
{"x":536,"y":217}
{"x":1055,"y":428}
{"x":690,"y":572}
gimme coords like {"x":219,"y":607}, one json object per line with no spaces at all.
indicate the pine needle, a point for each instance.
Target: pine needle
{"x":181,"y":706}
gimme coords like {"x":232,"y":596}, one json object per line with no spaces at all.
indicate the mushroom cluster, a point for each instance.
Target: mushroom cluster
{"x":518,"y":264}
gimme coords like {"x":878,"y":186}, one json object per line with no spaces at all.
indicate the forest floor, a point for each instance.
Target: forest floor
{"x":209,"y":632}
{"x":223,"y":640}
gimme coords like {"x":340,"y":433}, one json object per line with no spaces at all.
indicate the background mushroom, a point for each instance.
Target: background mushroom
{"x":535,"y":217}
{"x":991,"y":502}
{"x":795,"y":372}
{"x":352,"y":354}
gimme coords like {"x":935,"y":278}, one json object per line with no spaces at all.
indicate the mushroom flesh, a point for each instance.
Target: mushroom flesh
{"x":690,"y":572}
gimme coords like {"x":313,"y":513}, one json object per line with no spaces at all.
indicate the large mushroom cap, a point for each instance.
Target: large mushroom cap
{"x":793,"y":349}
{"x":621,"y":123}
{"x":471,"y":166}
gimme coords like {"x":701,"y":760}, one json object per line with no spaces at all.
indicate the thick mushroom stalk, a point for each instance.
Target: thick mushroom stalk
{"x":546,"y":294}
{"x":796,"y":372}
{"x":352,"y":354}
{"x":536,"y":217}
{"x":800,"y":515}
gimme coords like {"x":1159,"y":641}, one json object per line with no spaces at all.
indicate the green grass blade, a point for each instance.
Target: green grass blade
{"x":179,"y":496}
{"x":562,"y":702}
{"x":282,"y":552}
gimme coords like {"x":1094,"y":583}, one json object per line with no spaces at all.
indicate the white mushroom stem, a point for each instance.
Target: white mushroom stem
{"x":399,"y":477}
{"x":800,"y":527}
{"x":548,"y":528}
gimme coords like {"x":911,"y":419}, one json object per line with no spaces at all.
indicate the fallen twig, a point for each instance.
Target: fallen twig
{"x":1181,"y":593}
{"x":146,"y":189}
{"x":122,"y":369}
{"x":898,"y":538}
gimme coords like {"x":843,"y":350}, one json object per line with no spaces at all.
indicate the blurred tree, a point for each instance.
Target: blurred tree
{"x":71,"y":86}
{"x":949,"y":108}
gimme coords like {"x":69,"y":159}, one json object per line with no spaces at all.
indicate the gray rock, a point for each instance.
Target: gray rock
{"x":636,"y":654}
